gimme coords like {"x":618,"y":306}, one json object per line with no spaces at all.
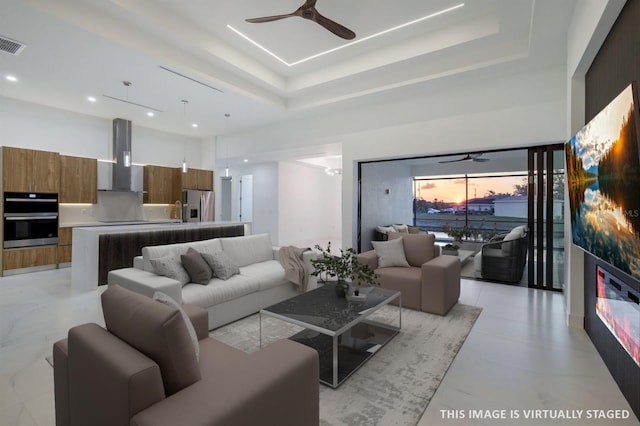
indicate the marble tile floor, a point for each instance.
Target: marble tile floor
{"x":518,"y":355}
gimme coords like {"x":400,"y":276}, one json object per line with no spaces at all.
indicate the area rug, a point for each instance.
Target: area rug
{"x":394,"y":386}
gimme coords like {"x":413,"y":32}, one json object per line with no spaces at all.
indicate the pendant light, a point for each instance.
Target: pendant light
{"x":226,"y":125}
{"x":184,"y":158}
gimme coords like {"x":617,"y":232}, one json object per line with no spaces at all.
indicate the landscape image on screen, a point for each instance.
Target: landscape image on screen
{"x":603,"y":174}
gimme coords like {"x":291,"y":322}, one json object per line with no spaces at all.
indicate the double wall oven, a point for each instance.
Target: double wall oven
{"x":30,"y":219}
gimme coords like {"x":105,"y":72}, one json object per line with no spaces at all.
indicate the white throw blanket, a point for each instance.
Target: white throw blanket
{"x":295,"y":269}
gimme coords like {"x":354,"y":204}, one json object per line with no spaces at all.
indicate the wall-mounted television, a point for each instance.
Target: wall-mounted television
{"x":603,"y":178}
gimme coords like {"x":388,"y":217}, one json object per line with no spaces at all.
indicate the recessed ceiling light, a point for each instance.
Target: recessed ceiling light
{"x":194,"y":125}
{"x":246,"y":160}
{"x":11,"y":78}
{"x":91,"y":99}
{"x":360,"y":40}
{"x":150,"y":114}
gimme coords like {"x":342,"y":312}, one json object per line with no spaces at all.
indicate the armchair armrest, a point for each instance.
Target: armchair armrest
{"x":368,"y":258}
{"x":145,"y":282}
{"x":109,"y":381}
{"x":278,"y":385}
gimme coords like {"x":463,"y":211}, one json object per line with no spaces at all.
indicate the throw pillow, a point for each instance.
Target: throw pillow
{"x":390,"y":253}
{"x":163,"y":298}
{"x":221,"y":264}
{"x":154,"y":329}
{"x":418,"y":248}
{"x":414,"y":229}
{"x":385,"y":229}
{"x":170,"y":266}
{"x":401,"y":228}
{"x":196,"y":267}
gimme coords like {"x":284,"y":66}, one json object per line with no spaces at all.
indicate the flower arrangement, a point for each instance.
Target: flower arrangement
{"x":456,"y":233}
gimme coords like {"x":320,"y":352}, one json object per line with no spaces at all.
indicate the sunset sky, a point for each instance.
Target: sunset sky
{"x":453,"y":190}
{"x":594,"y":139}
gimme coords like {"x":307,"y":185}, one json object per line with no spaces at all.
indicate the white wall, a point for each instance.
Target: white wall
{"x":379,"y":207}
{"x":589,"y":27}
{"x":265,"y":196}
{"x":29,"y":125}
{"x":310,"y":205}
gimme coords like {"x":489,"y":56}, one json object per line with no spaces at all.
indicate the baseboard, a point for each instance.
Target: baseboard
{"x":575,"y":321}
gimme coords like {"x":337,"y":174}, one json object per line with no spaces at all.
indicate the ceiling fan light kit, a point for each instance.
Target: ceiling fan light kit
{"x":308,"y":11}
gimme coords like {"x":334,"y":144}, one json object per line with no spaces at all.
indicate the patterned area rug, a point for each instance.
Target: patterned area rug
{"x":394,"y":386}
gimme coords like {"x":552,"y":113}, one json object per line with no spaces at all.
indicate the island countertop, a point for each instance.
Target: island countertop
{"x":85,"y":254}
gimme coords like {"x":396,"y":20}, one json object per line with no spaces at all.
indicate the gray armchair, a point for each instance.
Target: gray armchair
{"x":142,"y":370}
{"x":504,"y":257}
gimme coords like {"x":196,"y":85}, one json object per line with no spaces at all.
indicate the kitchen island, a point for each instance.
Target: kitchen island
{"x":98,"y":249}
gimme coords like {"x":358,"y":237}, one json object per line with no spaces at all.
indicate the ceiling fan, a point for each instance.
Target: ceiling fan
{"x":308,"y":11}
{"x":468,"y":157}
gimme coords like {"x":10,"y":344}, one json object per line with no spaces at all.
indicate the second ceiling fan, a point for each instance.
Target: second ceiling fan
{"x":308,"y":11}
{"x":468,"y":157}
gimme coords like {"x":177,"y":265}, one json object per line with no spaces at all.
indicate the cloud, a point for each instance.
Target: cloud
{"x":428,"y":186}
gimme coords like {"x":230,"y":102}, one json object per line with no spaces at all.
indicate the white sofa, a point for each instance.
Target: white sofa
{"x":260,"y":283}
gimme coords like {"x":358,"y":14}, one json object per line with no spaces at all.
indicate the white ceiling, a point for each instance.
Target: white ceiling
{"x":77,"y":48}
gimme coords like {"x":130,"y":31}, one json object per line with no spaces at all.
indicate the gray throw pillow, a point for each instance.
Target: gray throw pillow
{"x":222,"y":265}
{"x":171,"y":267}
{"x":390,"y":253}
{"x":196,"y":267}
{"x":167,"y":300}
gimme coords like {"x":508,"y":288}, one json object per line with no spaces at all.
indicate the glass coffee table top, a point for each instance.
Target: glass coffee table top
{"x":340,"y":330}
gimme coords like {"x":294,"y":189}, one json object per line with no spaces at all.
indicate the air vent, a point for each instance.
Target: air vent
{"x":11,"y":47}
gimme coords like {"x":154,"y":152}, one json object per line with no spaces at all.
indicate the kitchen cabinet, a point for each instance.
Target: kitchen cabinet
{"x":64,"y":245}
{"x":161,"y":185}
{"x":205,"y":180}
{"x":28,"y":170}
{"x":78,"y":180}
{"x":197,"y":179}
{"x":28,"y":257}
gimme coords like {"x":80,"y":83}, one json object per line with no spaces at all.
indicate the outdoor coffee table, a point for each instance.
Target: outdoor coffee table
{"x":342,"y":331}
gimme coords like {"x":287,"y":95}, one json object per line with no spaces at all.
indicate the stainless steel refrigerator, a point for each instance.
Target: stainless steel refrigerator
{"x":197,"y":206}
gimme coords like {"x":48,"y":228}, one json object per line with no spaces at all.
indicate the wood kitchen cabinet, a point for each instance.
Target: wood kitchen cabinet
{"x":160,"y":185}
{"x":28,"y":170}
{"x":205,"y":180}
{"x":64,"y":245}
{"x":198,"y":179}
{"x":78,"y":180}
{"x":28,"y":257}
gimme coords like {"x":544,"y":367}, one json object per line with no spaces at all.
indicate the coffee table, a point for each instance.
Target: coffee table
{"x":342,"y":331}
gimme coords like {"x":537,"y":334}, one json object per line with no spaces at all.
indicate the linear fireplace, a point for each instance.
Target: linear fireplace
{"x":617,"y":306}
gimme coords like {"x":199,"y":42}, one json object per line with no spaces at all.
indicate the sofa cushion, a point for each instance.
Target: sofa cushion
{"x":418,"y":248}
{"x":156,"y":330}
{"x":219,"y":291}
{"x":268,"y":274}
{"x":390,"y":253}
{"x":197,"y":268}
{"x":248,"y":249}
{"x":163,"y":298}
{"x":222,"y":265}
{"x":514,"y":234}
{"x":170,"y":266}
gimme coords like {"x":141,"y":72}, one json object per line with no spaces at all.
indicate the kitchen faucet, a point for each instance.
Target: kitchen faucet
{"x":177,"y":210}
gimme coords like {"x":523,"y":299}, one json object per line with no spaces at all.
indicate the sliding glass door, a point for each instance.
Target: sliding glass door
{"x":546,"y":217}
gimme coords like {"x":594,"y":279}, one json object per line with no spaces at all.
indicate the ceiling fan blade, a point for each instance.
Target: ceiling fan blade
{"x":455,"y":161}
{"x":481,"y":160}
{"x":333,"y":26}
{"x":269,"y":18}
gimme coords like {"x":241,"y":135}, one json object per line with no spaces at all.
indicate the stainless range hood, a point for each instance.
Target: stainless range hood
{"x":121,"y":155}
{"x":120,"y":175}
